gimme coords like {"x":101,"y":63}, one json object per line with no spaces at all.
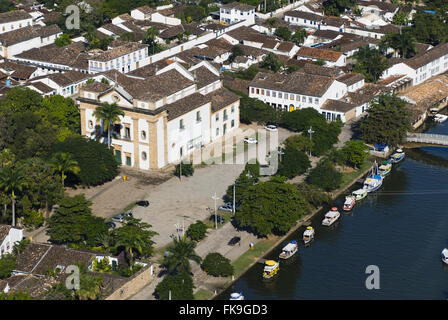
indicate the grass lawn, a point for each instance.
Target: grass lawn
{"x":203,"y":294}
{"x":348,"y":177}
{"x":250,"y":256}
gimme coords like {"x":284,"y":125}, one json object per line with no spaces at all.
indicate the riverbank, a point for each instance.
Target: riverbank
{"x":263,"y":247}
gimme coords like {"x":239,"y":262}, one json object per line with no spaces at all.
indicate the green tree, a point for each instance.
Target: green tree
{"x":294,"y":162}
{"x":109,"y":114}
{"x":337,"y":7}
{"x":271,"y":207}
{"x":7,"y":265}
{"x":180,"y":286}
{"x":254,"y":110}
{"x":354,"y":152}
{"x":12,"y":181}
{"x":89,"y":285}
{"x":135,"y":237}
{"x":387,"y":122}
{"x":325,"y":176}
{"x":63,"y":40}
{"x":299,"y":36}
{"x":284,"y":33}
{"x":15,"y":295}
{"x":179,"y":256}
{"x":370,"y":63}
{"x":404,"y":43}
{"x":217,"y":265}
{"x":271,"y":62}
{"x":197,"y":231}
{"x":313,"y":195}
{"x":74,"y":223}
{"x":6,"y":5}
{"x":63,"y":163}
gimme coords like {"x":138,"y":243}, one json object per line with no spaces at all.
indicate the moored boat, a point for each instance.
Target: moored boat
{"x":397,"y":156}
{"x":360,"y":194}
{"x":331,"y":217}
{"x":236,"y":296}
{"x":445,"y":255}
{"x":385,"y":168}
{"x":271,"y":268}
{"x":373,"y":183}
{"x":289,"y":250}
{"x":349,"y":203}
{"x":308,"y":235}
{"x":440,"y":117}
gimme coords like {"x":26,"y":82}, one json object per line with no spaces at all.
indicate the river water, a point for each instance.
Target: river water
{"x":401,"y":228}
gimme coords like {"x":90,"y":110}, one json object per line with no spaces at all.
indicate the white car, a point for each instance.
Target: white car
{"x":271,"y":127}
{"x":250,"y":140}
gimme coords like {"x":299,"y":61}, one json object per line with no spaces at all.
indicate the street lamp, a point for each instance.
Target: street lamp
{"x":310,"y":131}
{"x":215,"y":198}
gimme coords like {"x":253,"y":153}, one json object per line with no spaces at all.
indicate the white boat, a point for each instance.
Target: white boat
{"x":289,"y":250}
{"x":440,"y":117}
{"x":373,"y":183}
{"x":271,"y":268}
{"x":385,"y":168}
{"x":397,"y":156}
{"x":349,"y":203}
{"x":445,"y":255}
{"x":236,"y":296}
{"x":308,"y":235}
{"x":360,"y":194}
{"x":331,"y":217}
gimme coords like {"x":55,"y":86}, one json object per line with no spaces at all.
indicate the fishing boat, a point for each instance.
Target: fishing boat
{"x":440,"y":117}
{"x":349,"y":203}
{"x":308,"y":235}
{"x":445,"y":255}
{"x":331,"y":217}
{"x":385,"y":168}
{"x":271,"y":268}
{"x":360,"y":194}
{"x":289,"y":250}
{"x":397,"y":156}
{"x":236,"y":296}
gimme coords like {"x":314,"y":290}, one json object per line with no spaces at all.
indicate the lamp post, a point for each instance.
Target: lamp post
{"x":215,"y":198}
{"x":310,"y":131}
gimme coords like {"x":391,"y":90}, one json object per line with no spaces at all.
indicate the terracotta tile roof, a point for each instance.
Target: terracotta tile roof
{"x":385,"y":6}
{"x":296,"y":82}
{"x":312,"y":68}
{"x":185,"y":105}
{"x":19,"y":35}
{"x":319,"y":54}
{"x":285,"y":46}
{"x":127,"y":48}
{"x":350,"y":78}
{"x":16,"y":15}
{"x":304,"y":15}
{"x":368,"y":92}
{"x":42,"y":87}
{"x":337,"y":105}
{"x":238,"y":6}
{"x":221,"y":98}
{"x":145,"y":9}
{"x":428,"y":56}
{"x":17,"y":70}
{"x":96,"y":86}
{"x":428,"y":93}
{"x":204,"y":77}
{"x":326,"y":34}
{"x":50,"y":30}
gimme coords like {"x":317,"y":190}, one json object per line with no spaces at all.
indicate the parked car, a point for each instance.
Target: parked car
{"x":219,"y":219}
{"x":120,"y":217}
{"x":271,"y":127}
{"x":142,"y":203}
{"x":234,"y":241}
{"x":227,"y":207}
{"x":250,"y":140}
{"x":111,"y":225}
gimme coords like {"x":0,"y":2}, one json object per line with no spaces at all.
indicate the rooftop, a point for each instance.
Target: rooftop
{"x":14,"y":16}
{"x":120,"y":51}
{"x":315,"y":53}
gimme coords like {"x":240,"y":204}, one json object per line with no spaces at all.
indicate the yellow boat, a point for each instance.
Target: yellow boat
{"x":271,"y":268}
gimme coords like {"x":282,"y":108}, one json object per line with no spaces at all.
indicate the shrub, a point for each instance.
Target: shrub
{"x":7,"y":264}
{"x":187,"y":169}
{"x":217,"y":265}
{"x":197,"y":231}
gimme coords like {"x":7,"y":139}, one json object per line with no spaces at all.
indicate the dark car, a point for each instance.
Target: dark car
{"x":111,"y":225}
{"x":143,"y":203}
{"x":234,"y":241}
{"x":219,"y":219}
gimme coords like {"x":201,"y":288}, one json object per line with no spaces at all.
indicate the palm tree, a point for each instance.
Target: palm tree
{"x":89,"y":285}
{"x":403,"y":43}
{"x":12,"y":181}
{"x":63,"y":163}
{"x":180,"y":254}
{"x":109,"y":113}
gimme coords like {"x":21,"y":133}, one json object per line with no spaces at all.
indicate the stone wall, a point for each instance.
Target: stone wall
{"x":134,"y":285}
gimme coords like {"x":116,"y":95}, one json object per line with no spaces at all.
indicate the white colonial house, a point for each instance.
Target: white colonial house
{"x":167,"y":115}
{"x":235,"y":12}
{"x":423,"y":66}
{"x":8,"y":237}
{"x":124,"y":58}
{"x":13,"y":20}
